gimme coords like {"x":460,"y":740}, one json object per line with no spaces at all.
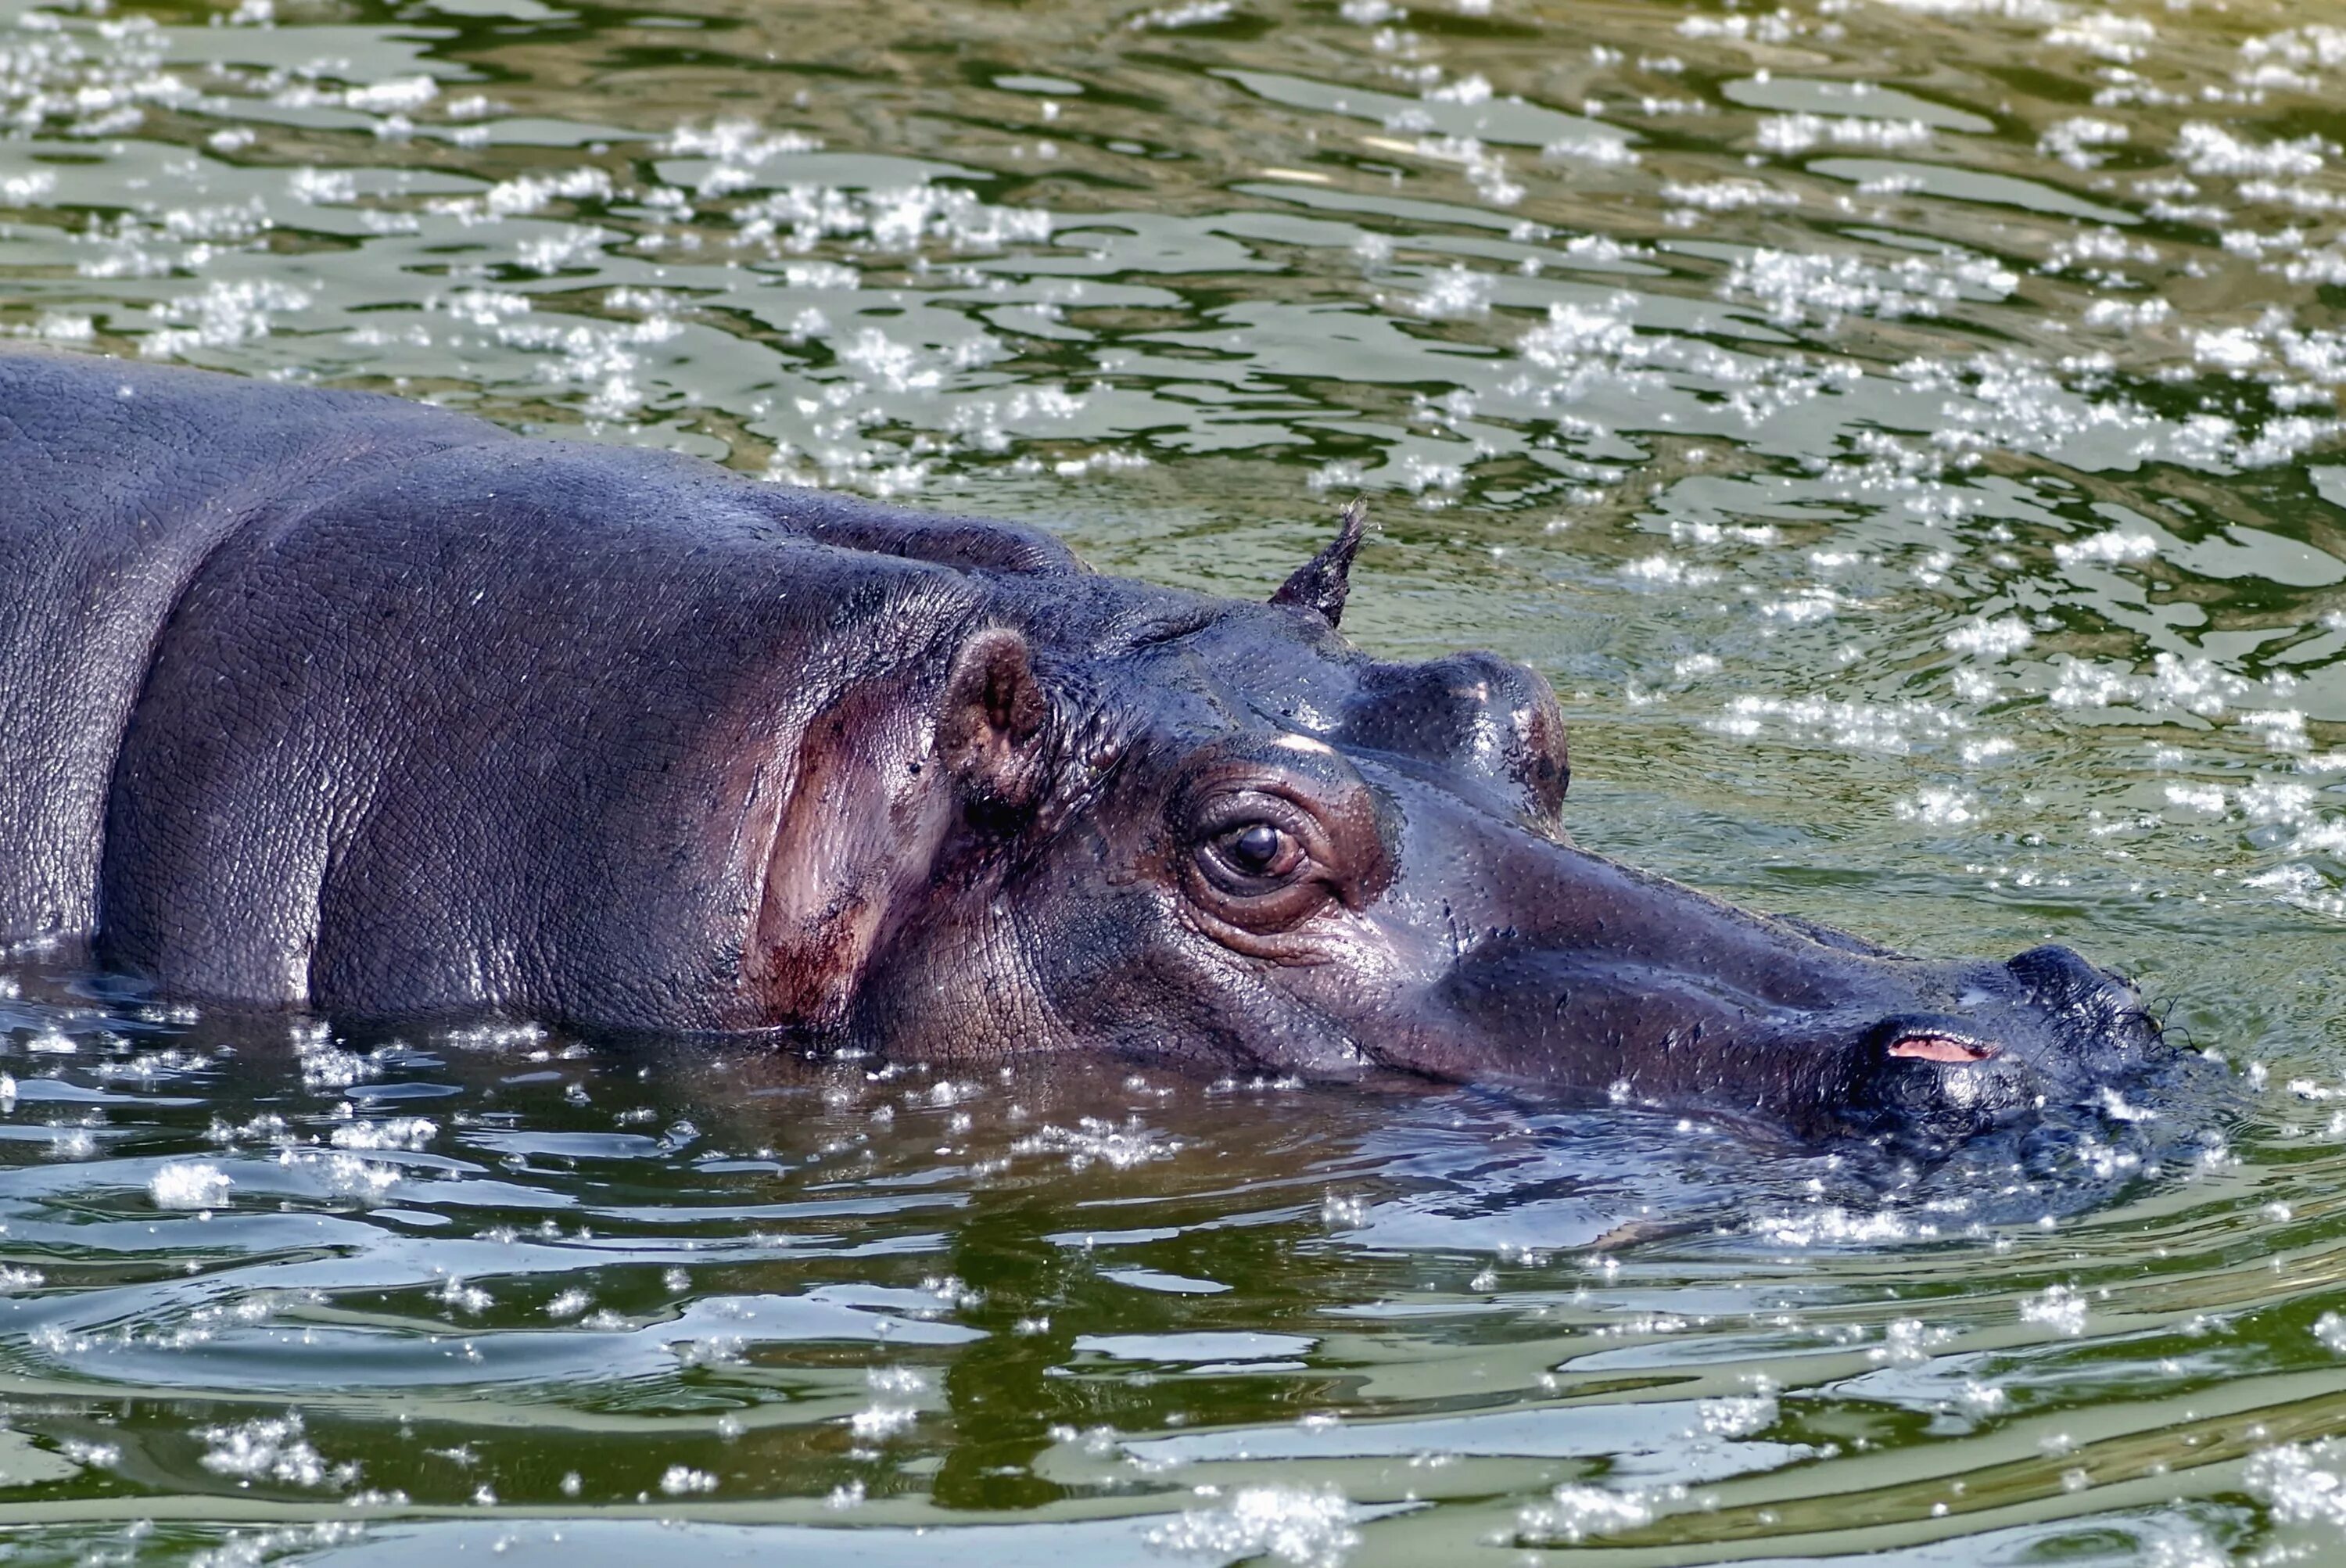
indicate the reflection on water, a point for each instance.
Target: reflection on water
{"x":1907,"y":432}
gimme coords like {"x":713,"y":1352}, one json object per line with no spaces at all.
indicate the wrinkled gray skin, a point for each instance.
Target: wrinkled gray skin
{"x":331,"y":700}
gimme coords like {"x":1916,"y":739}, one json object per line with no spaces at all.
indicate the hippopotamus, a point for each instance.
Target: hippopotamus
{"x":333,"y":701}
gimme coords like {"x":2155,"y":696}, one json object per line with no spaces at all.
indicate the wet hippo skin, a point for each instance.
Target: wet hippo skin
{"x":334,"y":701}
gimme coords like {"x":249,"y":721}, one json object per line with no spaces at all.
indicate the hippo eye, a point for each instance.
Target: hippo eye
{"x":1257,"y":859}
{"x":1260,"y":850}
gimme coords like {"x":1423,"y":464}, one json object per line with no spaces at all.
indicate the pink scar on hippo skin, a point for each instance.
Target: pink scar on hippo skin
{"x":1941,"y":1048}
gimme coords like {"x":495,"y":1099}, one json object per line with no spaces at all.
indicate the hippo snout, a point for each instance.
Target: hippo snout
{"x":1837,"y":1039}
{"x":2044,"y":1026}
{"x":2076,"y":1023}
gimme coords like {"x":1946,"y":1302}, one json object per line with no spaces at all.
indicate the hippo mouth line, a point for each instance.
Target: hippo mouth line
{"x":1933,"y":1045}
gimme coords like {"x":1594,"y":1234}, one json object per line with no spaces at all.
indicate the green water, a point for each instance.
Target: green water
{"x":1907,"y":435}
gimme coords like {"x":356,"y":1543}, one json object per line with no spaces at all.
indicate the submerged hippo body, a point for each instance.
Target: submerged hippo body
{"x":336,"y":701}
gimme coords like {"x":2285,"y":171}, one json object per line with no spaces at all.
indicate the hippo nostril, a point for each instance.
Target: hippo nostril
{"x":2058,"y":976}
{"x":2088,"y":1013}
{"x":1941,"y":1048}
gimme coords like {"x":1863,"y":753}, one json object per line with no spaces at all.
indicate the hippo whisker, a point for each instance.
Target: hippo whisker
{"x":2156,"y":1024}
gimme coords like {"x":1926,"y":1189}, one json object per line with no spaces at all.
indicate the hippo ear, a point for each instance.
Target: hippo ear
{"x":1321,"y":583}
{"x":990,"y":731}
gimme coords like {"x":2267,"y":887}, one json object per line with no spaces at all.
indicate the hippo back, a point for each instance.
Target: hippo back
{"x":120,"y":480}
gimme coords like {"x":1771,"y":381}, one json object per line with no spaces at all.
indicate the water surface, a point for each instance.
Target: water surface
{"x":1908,"y":435}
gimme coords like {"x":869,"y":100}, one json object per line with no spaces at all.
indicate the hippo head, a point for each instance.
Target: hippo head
{"x":1217,"y":833}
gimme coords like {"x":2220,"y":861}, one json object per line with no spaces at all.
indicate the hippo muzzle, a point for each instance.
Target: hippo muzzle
{"x":1863,"y":1044}
{"x":1573,"y":972}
